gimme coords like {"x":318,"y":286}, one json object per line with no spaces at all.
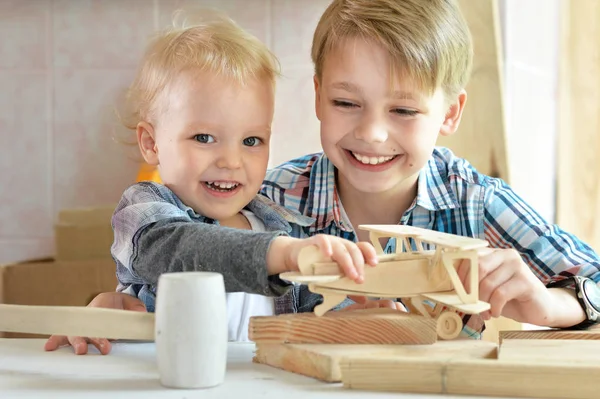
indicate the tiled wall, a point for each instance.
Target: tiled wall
{"x":62,"y":62}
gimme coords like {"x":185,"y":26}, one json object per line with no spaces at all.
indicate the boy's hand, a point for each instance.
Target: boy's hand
{"x":351,"y":257}
{"x":510,"y":287}
{"x":114,"y":300}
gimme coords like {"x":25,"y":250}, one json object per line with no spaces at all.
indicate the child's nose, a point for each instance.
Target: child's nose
{"x":229,"y":159}
{"x":372,"y":132}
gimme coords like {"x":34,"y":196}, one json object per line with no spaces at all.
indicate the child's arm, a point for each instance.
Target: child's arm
{"x":514,"y":280}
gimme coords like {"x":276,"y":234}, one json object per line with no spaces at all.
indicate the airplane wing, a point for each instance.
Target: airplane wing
{"x":426,"y":235}
{"x":450,"y":298}
{"x":297,"y":277}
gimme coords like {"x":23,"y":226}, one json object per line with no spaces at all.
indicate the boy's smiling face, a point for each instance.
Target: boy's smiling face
{"x":378,"y":136}
{"x":210,"y":141}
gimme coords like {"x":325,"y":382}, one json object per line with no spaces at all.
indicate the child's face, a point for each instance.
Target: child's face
{"x":212,"y":142}
{"x":377,"y":136}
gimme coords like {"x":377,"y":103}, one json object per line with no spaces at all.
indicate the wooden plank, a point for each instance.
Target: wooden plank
{"x":591,"y":334}
{"x":323,"y":361}
{"x":538,"y":373}
{"x":481,"y":136}
{"x":550,"y":350}
{"x":368,"y":326}
{"x":578,"y":177}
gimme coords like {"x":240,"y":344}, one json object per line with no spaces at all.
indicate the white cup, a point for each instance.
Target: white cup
{"x":191,"y":330}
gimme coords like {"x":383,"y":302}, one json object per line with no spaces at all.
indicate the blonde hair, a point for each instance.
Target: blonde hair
{"x":198,"y":41}
{"x":428,"y":40}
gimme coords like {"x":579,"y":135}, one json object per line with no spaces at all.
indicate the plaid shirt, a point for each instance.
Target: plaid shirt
{"x":452,"y":197}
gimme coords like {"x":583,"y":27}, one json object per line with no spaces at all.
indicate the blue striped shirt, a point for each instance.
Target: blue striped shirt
{"x":452,"y":197}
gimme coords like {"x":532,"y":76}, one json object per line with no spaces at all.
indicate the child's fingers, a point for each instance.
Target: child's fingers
{"x":369,"y":253}
{"x":342,"y":257}
{"x":55,"y":342}
{"x":102,"y":344}
{"x":358,"y":260}
{"x":323,"y":242}
{"x":359,"y":299}
{"x":79,"y":344}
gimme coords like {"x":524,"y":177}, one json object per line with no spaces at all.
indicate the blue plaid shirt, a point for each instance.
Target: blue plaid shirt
{"x":452,"y":197}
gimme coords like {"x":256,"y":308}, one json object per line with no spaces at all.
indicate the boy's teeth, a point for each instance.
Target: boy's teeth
{"x":371,"y":160}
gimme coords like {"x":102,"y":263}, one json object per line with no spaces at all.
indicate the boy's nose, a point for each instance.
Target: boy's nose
{"x":372,"y":133}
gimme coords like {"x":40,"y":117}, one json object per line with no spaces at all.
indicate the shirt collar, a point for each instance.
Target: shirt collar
{"x":324,"y":204}
{"x":434,"y":192}
{"x":276,"y":217}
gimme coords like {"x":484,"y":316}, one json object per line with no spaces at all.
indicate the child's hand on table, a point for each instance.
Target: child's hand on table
{"x":113,"y":300}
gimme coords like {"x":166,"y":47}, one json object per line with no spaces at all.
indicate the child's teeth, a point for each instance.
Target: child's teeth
{"x":222,"y":185}
{"x":371,"y":160}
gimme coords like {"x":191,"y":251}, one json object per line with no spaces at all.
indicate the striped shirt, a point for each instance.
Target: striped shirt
{"x":452,"y":197}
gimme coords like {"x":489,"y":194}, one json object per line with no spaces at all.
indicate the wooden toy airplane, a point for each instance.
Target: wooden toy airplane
{"x":412,"y":272}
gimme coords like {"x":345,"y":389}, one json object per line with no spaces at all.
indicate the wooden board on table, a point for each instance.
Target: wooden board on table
{"x":367,"y":326}
{"x":523,"y":368}
{"x":323,"y":361}
{"x":591,"y":334}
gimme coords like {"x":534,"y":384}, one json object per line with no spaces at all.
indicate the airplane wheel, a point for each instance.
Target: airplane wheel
{"x":449,"y":325}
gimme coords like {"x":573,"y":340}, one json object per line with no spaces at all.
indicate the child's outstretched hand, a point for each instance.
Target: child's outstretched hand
{"x":113,"y":300}
{"x":351,"y":257}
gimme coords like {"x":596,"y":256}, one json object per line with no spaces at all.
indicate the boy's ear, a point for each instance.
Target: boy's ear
{"x":146,"y":142}
{"x":317,"y":97}
{"x":454,"y":114}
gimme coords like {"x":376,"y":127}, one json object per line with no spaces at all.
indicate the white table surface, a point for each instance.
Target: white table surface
{"x":129,"y":371}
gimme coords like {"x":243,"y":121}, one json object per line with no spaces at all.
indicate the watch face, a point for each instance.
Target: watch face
{"x":592,"y":292}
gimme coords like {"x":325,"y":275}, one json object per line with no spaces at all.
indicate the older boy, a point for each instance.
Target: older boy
{"x":389,"y":78}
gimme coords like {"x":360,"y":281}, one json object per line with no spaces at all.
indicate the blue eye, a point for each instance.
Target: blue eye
{"x":252,"y":141}
{"x":204,"y":138}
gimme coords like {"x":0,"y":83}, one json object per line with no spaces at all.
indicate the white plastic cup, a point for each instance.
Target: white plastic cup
{"x":191,"y":330}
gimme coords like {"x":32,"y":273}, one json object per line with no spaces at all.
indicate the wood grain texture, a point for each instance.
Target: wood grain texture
{"x":578,"y":176}
{"x":323,"y":361}
{"x":521,"y":370}
{"x":377,"y":326}
{"x":77,"y":321}
{"x":481,"y":136}
{"x":591,"y":334}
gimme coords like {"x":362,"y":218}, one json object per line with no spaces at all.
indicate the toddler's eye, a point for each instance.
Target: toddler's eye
{"x":252,"y":141}
{"x":204,"y":138}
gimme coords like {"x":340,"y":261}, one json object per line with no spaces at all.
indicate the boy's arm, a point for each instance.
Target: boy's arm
{"x":174,"y":246}
{"x":549,"y":252}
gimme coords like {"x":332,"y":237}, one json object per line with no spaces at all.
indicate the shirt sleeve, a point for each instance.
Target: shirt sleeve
{"x":550,"y":252}
{"x":239,"y":255}
{"x":155,"y":233}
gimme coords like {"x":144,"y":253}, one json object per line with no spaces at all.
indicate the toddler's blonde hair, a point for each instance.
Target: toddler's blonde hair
{"x":201,"y":40}
{"x":428,"y":40}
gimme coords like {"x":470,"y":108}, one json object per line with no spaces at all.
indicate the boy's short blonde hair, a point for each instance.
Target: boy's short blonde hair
{"x":199,"y":41}
{"x":428,"y":40}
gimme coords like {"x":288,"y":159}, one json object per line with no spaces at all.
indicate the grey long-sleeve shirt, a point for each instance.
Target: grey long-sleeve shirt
{"x":156,"y":233}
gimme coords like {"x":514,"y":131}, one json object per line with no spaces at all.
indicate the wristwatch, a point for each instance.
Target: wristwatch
{"x":588,"y":295}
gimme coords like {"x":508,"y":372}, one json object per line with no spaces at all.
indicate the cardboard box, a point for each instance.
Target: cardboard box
{"x":84,"y":233}
{"x":58,"y":283}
